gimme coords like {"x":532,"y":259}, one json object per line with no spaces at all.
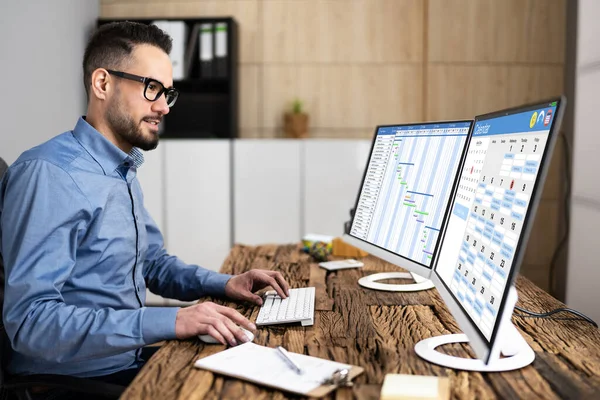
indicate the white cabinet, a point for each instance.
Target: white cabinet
{"x":333,"y":170}
{"x":198,"y":201}
{"x":267,"y":191}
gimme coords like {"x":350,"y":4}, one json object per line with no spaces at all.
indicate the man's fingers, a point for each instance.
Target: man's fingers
{"x":279,"y":277}
{"x":226,"y":331}
{"x":239,"y":334}
{"x":256,"y":299}
{"x":237,"y":318}
{"x":273,"y":283}
{"x":215,"y":333}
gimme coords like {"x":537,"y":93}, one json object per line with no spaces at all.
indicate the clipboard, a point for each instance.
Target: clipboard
{"x":324,"y":389}
{"x":262,"y":366}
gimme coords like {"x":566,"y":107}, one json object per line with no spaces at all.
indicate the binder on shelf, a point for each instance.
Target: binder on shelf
{"x":177,"y":30}
{"x":192,"y":44}
{"x":178,"y":34}
{"x":221,"y":49}
{"x":206,"y":50}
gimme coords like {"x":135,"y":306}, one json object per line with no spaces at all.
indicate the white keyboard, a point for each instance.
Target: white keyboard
{"x":298,"y":307}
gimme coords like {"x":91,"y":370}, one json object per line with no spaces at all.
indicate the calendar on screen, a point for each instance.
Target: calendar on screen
{"x":491,"y":202}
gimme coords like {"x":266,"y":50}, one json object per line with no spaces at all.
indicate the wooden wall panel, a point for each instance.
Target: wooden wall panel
{"x":554,"y":185}
{"x":281,"y":26}
{"x":244,"y":11}
{"x":528,"y":84}
{"x":326,"y":31}
{"x":452,"y":32}
{"x":368,"y":31}
{"x":464,"y":91}
{"x":344,"y":96}
{"x":546,"y":26}
{"x":544,"y":235}
{"x":279,"y":87}
{"x":249,"y":84}
{"x":361,"y":95}
{"x":524,"y":31}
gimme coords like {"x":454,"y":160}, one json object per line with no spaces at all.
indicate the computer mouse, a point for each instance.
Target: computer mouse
{"x":211,"y":340}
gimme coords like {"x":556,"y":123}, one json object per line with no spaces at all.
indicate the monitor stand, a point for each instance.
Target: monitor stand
{"x":517,"y":353}
{"x":370,"y":282}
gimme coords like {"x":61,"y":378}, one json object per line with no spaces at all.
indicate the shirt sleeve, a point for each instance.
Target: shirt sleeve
{"x":41,"y":223}
{"x":168,"y":276}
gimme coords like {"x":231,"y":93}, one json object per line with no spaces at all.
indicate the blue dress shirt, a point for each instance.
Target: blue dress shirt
{"x":79,"y":250}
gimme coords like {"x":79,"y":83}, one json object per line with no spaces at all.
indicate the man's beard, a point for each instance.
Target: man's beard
{"x":125,"y":128}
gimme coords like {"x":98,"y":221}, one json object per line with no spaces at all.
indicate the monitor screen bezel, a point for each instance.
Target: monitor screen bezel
{"x":387,"y":255}
{"x":483,"y":348}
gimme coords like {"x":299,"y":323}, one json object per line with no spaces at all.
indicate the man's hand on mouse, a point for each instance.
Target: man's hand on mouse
{"x":212,"y":319}
{"x":243,"y":286}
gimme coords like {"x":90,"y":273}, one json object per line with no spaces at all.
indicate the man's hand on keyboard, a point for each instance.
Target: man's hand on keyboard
{"x":217,"y":321}
{"x":242,"y":287}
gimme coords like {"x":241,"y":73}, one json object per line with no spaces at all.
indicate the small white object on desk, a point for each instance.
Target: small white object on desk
{"x":341,"y":264}
{"x":415,"y":387}
{"x":211,"y":340}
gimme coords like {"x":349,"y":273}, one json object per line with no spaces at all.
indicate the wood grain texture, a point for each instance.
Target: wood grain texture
{"x":378,"y":331}
{"x":463,"y":91}
{"x":249,"y":92}
{"x":509,"y":31}
{"x":360,"y":31}
{"x":346,"y":96}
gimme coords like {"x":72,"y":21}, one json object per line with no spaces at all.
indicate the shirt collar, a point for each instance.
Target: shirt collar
{"x":106,"y":154}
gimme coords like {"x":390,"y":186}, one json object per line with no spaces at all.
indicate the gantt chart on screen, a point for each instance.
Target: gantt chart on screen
{"x":406,"y":188}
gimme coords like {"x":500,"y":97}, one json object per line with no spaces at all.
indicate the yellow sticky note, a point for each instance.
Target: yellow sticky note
{"x":415,"y":387}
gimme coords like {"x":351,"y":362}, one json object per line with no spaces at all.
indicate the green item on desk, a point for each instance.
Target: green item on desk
{"x":318,"y":246}
{"x":320,"y":251}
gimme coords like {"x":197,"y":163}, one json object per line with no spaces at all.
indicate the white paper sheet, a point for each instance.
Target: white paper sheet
{"x":265,"y":365}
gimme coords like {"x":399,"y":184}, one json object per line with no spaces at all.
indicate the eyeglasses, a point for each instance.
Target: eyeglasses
{"x":153,"y":89}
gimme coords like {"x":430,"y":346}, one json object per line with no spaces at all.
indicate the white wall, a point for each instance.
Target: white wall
{"x":42,"y":44}
{"x":583,"y":273}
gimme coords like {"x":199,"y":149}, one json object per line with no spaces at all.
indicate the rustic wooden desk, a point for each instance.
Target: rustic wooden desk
{"x":378,"y":331}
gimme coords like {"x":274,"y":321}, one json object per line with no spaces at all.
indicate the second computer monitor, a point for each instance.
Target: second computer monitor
{"x":484,"y":239}
{"x":405,"y":192}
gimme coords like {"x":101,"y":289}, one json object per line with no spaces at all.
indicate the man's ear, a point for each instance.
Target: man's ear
{"x":101,"y":84}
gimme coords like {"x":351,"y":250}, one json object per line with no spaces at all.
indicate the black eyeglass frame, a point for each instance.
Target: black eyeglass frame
{"x":147,"y":81}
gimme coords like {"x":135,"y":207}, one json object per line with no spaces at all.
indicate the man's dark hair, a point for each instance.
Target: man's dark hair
{"x":112,"y":44}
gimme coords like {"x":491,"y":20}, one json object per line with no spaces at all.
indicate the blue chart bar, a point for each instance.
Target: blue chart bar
{"x":406,"y":163}
{"x":422,"y":194}
{"x":432,"y":228}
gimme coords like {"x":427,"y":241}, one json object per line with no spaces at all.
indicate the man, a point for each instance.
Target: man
{"x":80,"y":248}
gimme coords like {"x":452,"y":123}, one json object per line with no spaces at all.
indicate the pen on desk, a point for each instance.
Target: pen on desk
{"x":283,"y":352}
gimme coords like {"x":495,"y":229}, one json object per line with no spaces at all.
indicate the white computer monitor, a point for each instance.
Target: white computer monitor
{"x":404,"y":196}
{"x":485,"y":236}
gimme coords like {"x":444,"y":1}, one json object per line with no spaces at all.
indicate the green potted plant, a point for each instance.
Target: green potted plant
{"x":296,"y":121}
